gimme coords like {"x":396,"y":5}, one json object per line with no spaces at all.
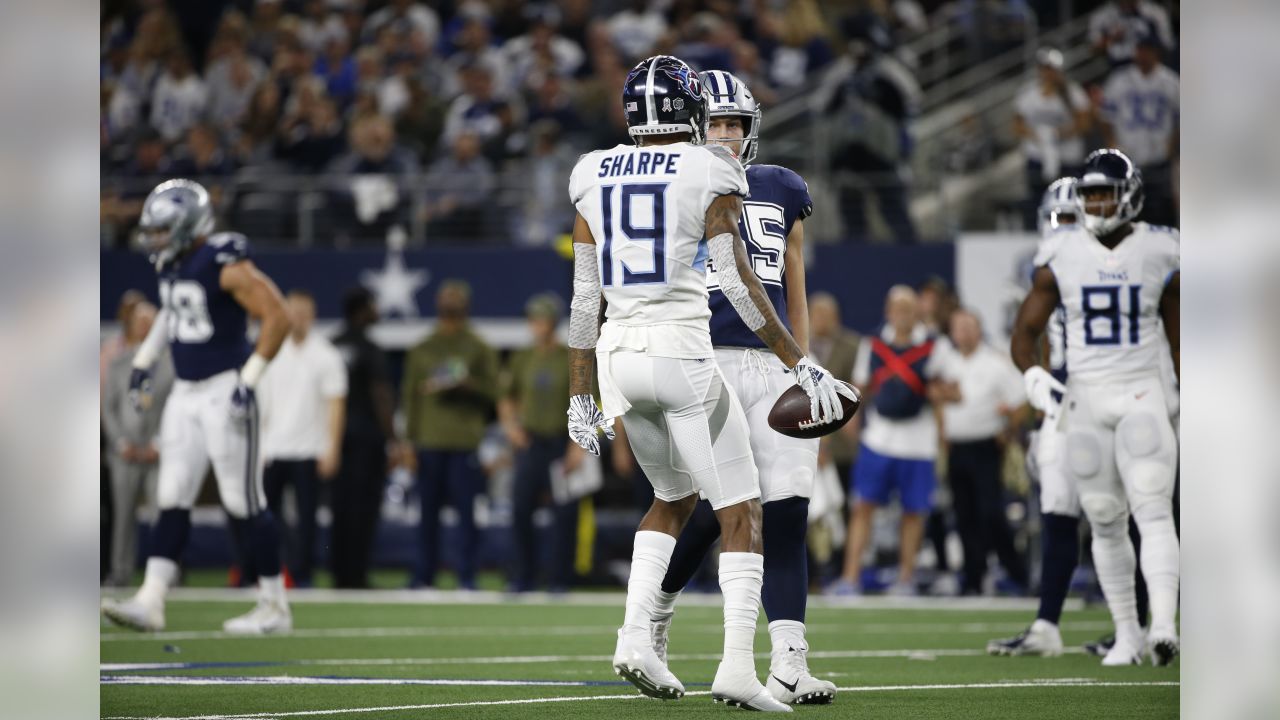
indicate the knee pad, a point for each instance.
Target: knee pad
{"x":1148,"y":479}
{"x":1153,"y":510}
{"x":1139,"y":435}
{"x":1107,"y":514}
{"x":1084,"y":455}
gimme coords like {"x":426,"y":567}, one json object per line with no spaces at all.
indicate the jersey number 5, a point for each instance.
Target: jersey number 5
{"x":765,"y":240}
{"x":1101,"y":305}
{"x":189,"y":320}
{"x":643,"y":252}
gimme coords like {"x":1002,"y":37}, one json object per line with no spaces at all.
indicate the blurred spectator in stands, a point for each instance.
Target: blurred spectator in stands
{"x":1114,"y":28}
{"x":319,"y":24}
{"x":541,"y":51}
{"x":263,"y":28}
{"x":155,"y":40}
{"x":1140,"y":115}
{"x":421,"y":123}
{"x":459,"y":189}
{"x":232,"y":80}
{"x":312,"y":136}
{"x":900,"y":438}
{"x":534,"y":387}
{"x":994,"y":27}
{"x":449,"y":387}
{"x":303,"y":395}
{"x":417,"y":16}
{"x":370,"y":185}
{"x":472,"y":44}
{"x":150,"y":157}
{"x":576,"y":19}
{"x":393,"y":93}
{"x":545,"y":215}
{"x":1051,"y":117}
{"x":751,"y":71}
{"x":131,"y":441}
{"x":551,"y":100}
{"x":179,"y":99}
{"x":204,"y":159}
{"x":256,"y":142}
{"x":636,"y":29}
{"x":835,"y":347}
{"x":336,"y":65}
{"x":875,"y":96}
{"x":368,"y":443}
{"x":707,"y":42}
{"x":597,"y":98}
{"x":481,"y":111}
{"x":974,"y":147}
{"x":292,"y":61}
{"x":794,"y":44}
{"x":122,"y":202}
{"x":980,"y":392}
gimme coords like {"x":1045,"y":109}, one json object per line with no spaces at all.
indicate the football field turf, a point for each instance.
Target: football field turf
{"x":401,"y":655}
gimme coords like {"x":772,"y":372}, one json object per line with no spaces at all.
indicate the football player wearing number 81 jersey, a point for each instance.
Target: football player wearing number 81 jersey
{"x":208,"y":288}
{"x":1116,"y":280}
{"x":772,"y":226}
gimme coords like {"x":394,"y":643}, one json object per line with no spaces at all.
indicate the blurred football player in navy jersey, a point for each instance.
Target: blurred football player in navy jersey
{"x":772,"y":227}
{"x":208,"y":290}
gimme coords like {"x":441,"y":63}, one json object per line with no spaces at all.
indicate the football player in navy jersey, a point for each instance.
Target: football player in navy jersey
{"x":772,"y":227}
{"x":208,"y":288}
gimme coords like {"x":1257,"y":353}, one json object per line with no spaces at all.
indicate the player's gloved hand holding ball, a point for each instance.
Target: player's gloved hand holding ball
{"x":822,"y":389}
{"x":1040,"y":385}
{"x":140,"y":389}
{"x":243,"y":398}
{"x":585,"y":419}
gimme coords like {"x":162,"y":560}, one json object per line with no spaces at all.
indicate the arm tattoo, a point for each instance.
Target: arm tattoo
{"x":582,"y":367}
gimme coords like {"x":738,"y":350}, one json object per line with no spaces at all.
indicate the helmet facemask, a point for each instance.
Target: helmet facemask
{"x":1105,"y":205}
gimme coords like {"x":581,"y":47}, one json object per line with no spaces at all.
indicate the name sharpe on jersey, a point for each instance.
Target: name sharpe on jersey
{"x":641,"y":163}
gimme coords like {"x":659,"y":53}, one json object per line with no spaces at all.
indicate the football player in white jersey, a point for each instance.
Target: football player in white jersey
{"x":772,"y":226}
{"x":1117,"y":281}
{"x":649,"y":217}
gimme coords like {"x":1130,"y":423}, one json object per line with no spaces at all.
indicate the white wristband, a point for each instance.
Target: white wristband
{"x":253,"y":368}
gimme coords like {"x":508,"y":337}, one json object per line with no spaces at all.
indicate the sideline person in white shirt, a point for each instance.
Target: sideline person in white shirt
{"x":980,"y":391}
{"x":303,"y":396}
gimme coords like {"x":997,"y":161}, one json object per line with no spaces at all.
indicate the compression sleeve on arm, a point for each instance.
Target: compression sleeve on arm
{"x":584,"y":311}
{"x":720,"y":248}
{"x":151,"y":347}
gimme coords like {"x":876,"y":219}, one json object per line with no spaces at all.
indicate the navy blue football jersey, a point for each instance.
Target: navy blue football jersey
{"x":779,"y":199}
{"x":206,"y":325}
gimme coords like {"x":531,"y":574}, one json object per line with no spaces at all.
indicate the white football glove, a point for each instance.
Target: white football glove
{"x":1040,"y":386}
{"x":584,"y":420}
{"x":823,"y":391}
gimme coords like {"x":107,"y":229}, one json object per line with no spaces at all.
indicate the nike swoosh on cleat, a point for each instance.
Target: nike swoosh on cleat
{"x":791,"y":687}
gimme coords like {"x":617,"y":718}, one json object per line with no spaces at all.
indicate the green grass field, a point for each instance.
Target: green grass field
{"x":399,"y":655}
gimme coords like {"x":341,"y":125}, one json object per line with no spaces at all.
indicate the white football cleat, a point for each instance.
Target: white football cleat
{"x":791,"y":682}
{"x":1042,"y":638}
{"x":1125,"y":652}
{"x":639,"y":665}
{"x":265,"y":618}
{"x":1163,"y":647}
{"x":738,"y":687}
{"x":658,"y":629}
{"x":134,"y":614}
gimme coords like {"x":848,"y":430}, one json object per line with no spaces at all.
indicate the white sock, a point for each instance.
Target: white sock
{"x":649,"y":560}
{"x":1160,"y":564}
{"x":1115,"y":563}
{"x":785,"y":635}
{"x":741,"y":577}
{"x":271,"y":589}
{"x":160,"y":575}
{"x":664,"y":605}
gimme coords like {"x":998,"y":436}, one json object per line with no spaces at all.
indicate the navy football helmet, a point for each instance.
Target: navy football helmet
{"x":1112,"y":170}
{"x":173,"y":216}
{"x":663,"y":95}
{"x":729,"y":97}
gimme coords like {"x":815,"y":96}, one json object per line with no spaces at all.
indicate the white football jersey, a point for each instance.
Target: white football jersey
{"x":1112,"y":299}
{"x":646,"y":207}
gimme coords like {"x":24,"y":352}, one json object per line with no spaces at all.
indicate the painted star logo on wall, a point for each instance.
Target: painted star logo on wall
{"x":395,"y":287}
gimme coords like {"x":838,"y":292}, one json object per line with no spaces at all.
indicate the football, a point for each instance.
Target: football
{"x":790,"y":414}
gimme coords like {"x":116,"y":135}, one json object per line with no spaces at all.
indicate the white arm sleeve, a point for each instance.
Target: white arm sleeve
{"x":721,"y":251}
{"x":150,"y":348}
{"x":584,"y":311}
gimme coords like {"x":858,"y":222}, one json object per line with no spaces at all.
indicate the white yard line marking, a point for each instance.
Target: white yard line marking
{"x":304,"y":680}
{"x":920,"y":628}
{"x":1040,"y":683}
{"x":539,"y":659}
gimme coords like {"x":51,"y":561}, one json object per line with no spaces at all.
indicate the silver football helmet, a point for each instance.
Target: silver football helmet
{"x":728,"y":96}
{"x":173,"y":216}
{"x":1059,"y":203}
